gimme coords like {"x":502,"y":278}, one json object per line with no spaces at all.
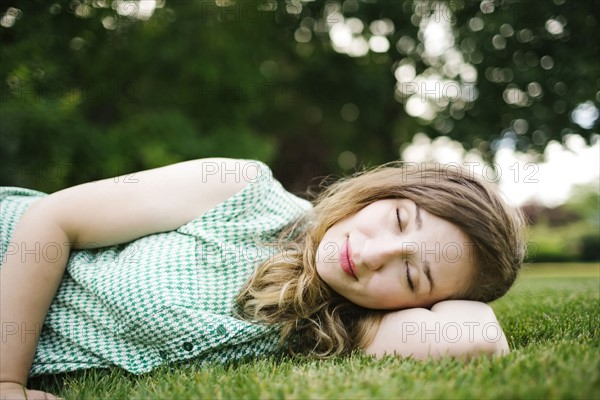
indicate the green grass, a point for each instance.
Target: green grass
{"x":551,"y":318}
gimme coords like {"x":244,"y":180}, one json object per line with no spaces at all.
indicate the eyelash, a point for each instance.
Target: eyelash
{"x":398,"y":218}
{"x":410,"y":282}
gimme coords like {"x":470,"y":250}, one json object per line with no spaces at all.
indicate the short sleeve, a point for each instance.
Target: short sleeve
{"x":262,"y":206}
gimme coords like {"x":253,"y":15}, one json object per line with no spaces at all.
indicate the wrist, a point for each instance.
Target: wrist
{"x":6,"y":383}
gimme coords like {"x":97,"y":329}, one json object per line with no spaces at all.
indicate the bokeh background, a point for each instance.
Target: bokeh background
{"x":98,"y":88}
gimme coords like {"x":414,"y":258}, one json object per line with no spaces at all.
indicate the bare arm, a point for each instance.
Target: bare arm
{"x":28,"y":282}
{"x":457,"y":328}
{"x":90,"y":215}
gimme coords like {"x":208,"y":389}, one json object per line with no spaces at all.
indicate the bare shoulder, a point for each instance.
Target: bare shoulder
{"x":456,"y":328}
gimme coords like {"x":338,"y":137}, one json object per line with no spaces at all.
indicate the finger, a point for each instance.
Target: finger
{"x":39,"y":395}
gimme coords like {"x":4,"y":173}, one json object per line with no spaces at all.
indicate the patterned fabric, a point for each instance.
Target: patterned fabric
{"x":165,"y":297}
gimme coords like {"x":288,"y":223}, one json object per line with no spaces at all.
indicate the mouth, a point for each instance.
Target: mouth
{"x":345,"y":261}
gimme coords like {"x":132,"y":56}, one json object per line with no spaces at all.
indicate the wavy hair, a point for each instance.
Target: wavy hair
{"x":286,"y":289}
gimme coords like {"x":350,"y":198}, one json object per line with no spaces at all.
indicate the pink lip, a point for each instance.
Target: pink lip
{"x":345,"y":260}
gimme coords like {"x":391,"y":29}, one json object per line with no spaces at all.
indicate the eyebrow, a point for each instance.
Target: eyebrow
{"x":426,"y":266}
{"x":427,"y":270}
{"x":418,"y":220}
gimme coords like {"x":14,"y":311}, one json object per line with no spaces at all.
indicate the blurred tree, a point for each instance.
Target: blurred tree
{"x":91,"y":88}
{"x":585,"y":202}
{"x":569,"y":232}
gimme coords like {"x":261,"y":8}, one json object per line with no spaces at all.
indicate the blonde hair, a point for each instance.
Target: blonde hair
{"x":286,"y":289}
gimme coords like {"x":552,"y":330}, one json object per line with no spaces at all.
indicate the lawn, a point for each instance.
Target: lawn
{"x":551,"y":318}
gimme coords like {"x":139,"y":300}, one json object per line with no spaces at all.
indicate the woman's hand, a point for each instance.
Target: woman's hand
{"x":11,"y":390}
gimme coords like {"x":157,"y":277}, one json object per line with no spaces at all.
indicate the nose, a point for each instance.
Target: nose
{"x":377,"y":252}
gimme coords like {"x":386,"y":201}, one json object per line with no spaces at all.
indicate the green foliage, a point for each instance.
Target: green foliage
{"x":530,"y":46}
{"x":585,"y":202}
{"x":550,"y":319}
{"x":590,"y":247}
{"x":552,"y":240}
{"x":88,"y":86}
{"x":562,"y":243}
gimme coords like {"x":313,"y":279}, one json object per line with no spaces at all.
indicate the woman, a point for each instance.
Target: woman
{"x":213,"y":260}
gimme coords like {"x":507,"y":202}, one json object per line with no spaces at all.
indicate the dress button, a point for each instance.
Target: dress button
{"x":187,"y":346}
{"x":221,"y":330}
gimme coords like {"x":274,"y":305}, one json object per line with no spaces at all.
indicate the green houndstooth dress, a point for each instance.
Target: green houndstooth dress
{"x":165,"y":297}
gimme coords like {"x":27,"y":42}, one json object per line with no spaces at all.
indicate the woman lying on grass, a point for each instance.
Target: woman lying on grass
{"x":213,"y":260}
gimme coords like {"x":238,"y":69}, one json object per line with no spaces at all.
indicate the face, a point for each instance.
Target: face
{"x":394,"y":255}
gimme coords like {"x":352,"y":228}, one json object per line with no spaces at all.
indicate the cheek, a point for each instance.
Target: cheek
{"x":385,"y":292}
{"x":327,"y":253}
{"x":453,"y":253}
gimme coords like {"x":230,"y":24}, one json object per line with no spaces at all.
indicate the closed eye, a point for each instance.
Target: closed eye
{"x":398,"y":218}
